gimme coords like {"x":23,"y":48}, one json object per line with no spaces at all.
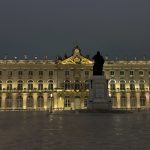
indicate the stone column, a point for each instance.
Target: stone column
{"x":24,"y":100}
{"x":35,"y":100}
{"x":118,"y":100}
{"x":14,"y":103}
{"x":128,"y":101}
{"x":147,"y":100}
{"x":138,"y":100}
{"x":3,"y":100}
{"x":45,"y":96}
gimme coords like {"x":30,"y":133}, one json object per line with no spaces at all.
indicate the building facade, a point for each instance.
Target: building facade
{"x":63,"y":84}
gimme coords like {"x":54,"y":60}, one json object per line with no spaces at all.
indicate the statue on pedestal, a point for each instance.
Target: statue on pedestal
{"x":98,"y":64}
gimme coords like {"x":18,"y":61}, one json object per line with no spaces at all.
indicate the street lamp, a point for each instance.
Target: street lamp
{"x":51,"y":103}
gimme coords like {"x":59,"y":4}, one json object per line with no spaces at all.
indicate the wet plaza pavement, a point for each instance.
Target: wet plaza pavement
{"x":71,"y":131}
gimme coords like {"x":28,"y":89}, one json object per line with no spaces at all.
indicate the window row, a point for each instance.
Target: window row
{"x":131,"y":72}
{"x":141,"y":84}
{"x":30,"y":73}
{"x":77,"y":85}
{"x":29,"y":84}
{"x":133,"y":101}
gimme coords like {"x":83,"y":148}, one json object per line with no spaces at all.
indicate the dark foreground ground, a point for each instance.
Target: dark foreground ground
{"x":74,"y":131}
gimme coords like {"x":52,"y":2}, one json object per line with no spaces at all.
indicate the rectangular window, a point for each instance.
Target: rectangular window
{"x":112,"y":73}
{"x":86,"y":73}
{"x":141,"y":73}
{"x":121,"y":73}
{"x":0,"y":73}
{"x":149,"y":73}
{"x":67,"y":102}
{"x":67,"y":73}
{"x":30,"y":73}
{"x":20,"y":73}
{"x":50,"y":73}
{"x":40,"y":73}
{"x":9,"y":73}
{"x":131,"y":73}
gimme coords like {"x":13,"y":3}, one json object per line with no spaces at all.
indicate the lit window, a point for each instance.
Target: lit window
{"x":123,"y":101}
{"x":50,"y":85}
{"x":40,"y":101}
{"x":8,"y":101}
{"x":9,"y":85}
{"x":86,"y":84}
{"x":77,"y":85}
{"x":141,"y":84}
{"x":30,"y":85}
{"x":67,"y":102}
{"x":114,"y":100}
{"x":67,"y":85}
{"x":132,"y":85}
{"x":30,"y":101}
{"x":85,"y":101}
{"x":142,"y":100}
{"x":40,"y":85}
{"x":19,"y":101}
{"x":112,"y":85}
{"x":133,"y":101}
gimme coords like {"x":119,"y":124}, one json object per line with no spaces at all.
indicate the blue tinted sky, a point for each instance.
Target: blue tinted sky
{"x":118,"y":28}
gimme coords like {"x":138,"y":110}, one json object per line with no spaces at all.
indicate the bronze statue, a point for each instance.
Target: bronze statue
{"x":98,"y":64}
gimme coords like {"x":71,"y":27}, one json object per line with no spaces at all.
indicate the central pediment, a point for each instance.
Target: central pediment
{"x":76,"y":58}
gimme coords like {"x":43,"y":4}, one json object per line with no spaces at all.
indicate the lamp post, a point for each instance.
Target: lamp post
{"x":51,"y":103}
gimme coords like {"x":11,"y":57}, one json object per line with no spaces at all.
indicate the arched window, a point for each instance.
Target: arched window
{"x":122,"y":85}
{"x":9,"y":85}
{"x":67,"y":102}
{"x":40,"y":85}
{"x":85,"y":101}
{"x":30,"y":85}
{"x":141,"y":84}
{"x":67,"y":85}
{"x":114,"y":100}
{"x":77,"y":85}
{"x":40,"y":101}
{"x":0,"y":101}
{"x":8,"y":101}
{"x":86,"y":84}
{"x":19,"y":101}
{"x":0,"y":85}
{"x":112,"y":85}
{"x":30,"y":101}
{"x":20,"y":85}
{"x":123,"y":101}
{"x":50,"y":85}
{"x":133,"y":101}
{"x":132,"y":85}
{"x":142,"y":100}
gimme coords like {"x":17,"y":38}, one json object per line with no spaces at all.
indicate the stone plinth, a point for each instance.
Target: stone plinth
{"x":98,"y":94}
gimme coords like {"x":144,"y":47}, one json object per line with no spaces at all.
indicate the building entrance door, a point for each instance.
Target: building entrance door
{"x":77,"y":103}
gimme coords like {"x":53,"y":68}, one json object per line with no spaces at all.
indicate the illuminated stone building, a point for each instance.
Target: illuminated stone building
{"x":63,"y":84}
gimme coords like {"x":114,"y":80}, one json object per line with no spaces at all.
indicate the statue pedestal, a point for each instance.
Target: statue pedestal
{"x":98,"y":94}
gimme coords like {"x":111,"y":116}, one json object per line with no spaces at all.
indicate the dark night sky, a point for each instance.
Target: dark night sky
{"x":49,"y":27}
